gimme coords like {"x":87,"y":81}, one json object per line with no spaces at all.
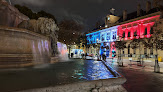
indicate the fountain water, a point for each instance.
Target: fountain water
{"x":63,"y":53}
{"x":40,"y":50}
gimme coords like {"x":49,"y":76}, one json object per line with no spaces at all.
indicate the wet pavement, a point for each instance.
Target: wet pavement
{"x":139,"y":79}
{"x":59,"y":73}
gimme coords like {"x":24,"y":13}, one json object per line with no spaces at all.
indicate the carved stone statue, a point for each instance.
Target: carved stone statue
{"x":9,"y":15}
{"x":44,"y":26}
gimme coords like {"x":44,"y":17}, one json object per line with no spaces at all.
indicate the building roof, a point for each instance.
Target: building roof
{"x":131,"y":16}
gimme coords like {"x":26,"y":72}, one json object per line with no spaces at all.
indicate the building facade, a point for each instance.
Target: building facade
{"x":102,"y":41}
{"x":126,"y":29}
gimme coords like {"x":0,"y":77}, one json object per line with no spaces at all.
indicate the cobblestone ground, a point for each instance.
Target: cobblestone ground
{"x":140,"y":79}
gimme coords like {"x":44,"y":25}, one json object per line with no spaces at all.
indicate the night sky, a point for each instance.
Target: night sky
{"x":86,"y":12}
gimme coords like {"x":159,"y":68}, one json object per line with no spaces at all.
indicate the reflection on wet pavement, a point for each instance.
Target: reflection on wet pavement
{"x":52,"y":74}
{"x":139,"y":79}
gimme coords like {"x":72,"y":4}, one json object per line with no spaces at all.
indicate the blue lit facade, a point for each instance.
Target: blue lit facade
{"x":108,"y":34}
{"x":105,"y":37}
{"x":93,"y":38}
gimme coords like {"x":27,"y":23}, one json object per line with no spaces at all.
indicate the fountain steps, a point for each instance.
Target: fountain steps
{"x":12,"y":60}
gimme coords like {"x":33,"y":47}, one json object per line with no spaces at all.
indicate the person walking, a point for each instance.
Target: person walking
{"x":103,"y":57}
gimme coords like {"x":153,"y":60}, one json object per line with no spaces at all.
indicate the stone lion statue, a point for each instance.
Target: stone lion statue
{"x":42,"y":25}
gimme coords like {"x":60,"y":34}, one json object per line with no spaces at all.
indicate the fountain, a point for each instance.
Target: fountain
{"x":20,"y":47}
{"x":63,"y":53}
{"x":34,"y":42}
{"x":10,"y":16}
{"x":25,"y":42}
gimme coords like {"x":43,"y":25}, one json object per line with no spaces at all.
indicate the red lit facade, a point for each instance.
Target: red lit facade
{"x":137,"y":29}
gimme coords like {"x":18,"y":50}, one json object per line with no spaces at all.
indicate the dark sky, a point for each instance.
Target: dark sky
{"x":86,"y":12}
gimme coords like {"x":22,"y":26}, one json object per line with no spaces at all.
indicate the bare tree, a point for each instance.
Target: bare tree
{"x":136,"y":43}
{"x":120,"y":45}
{"x":69,"y":31}
{"x":155,"y":42}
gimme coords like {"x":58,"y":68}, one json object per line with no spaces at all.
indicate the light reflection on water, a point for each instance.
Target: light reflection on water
{"x":92,"y":70}
{"x":59,"y":73}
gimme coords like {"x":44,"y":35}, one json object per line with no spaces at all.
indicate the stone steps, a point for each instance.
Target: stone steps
{"x":15,"y":59}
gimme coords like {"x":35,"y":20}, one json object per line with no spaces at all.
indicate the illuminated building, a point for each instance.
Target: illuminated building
{"x":137,"y":29}
{"x":105,"y":37}
{"x":135,"y":25}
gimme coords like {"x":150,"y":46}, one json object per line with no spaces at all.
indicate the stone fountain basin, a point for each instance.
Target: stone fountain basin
{"x":21,"y":47}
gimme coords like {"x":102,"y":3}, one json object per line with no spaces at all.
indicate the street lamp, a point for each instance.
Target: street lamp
{"x":97,"y":40}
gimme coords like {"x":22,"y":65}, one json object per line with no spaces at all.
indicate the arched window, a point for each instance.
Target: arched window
{"x":129,"y":34}
{"x":123,"y":51}
{"x":113,"y":37}
{"x":108,"y":37}
{"x":123,"y":35}
{"x":151,"y":31}
{"x":135,"y":33}
{"x":102,"y":37}
{"x":145,"y":33}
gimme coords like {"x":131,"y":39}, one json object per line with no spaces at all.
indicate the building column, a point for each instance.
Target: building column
{"x":142,"y":30}
{"x":148,"y":30}
{"x":132,"y":32}
{"x":138,"y":31}
{"x":119,"y":32}
{"x":126,"y":33}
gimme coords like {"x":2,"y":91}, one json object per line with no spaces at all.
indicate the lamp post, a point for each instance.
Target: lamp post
{"x":69,"y":46}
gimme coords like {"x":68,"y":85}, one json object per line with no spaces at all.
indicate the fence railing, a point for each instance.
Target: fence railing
{"x":136,"y":55}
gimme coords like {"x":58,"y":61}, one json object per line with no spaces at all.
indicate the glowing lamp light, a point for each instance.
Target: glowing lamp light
{"x":131,"y":38}
{"x":148,"y":36}
{"x":108,"y":18}
{"x":137,"y":37}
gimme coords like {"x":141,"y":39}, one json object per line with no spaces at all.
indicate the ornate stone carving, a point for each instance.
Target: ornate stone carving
{"x":43,"y":26}
{"x":9,"y":15}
